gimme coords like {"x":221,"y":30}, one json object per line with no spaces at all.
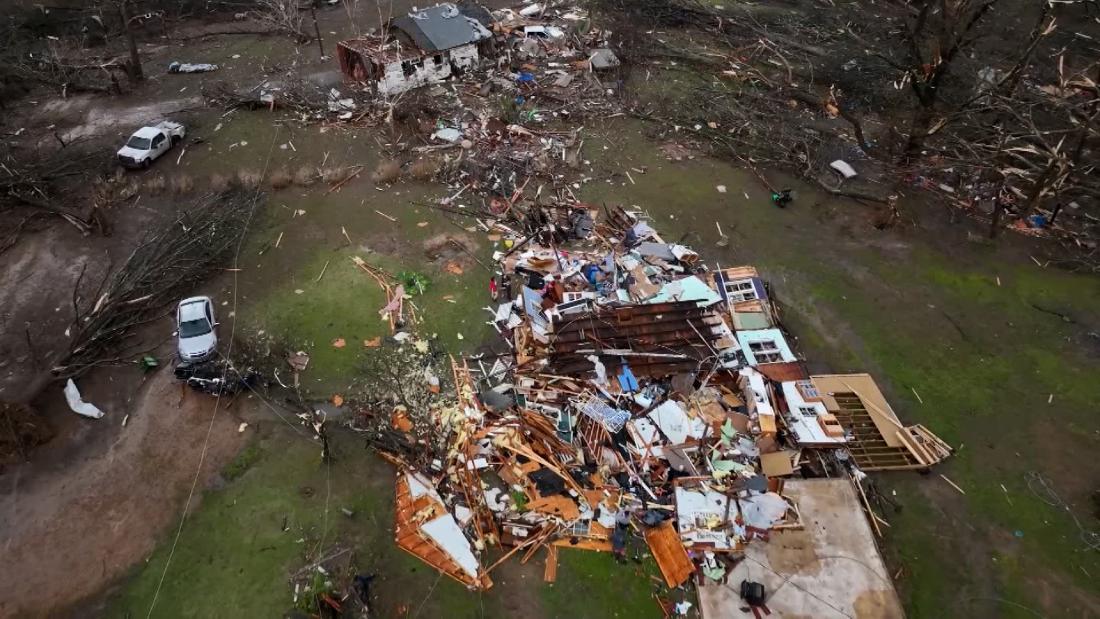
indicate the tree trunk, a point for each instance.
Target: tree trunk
{"x":317,"y":30}
{"x":995,"y":223}
{"x":1035,"y":197}
{"x":918,"y":132}
{"x":135,"y":60}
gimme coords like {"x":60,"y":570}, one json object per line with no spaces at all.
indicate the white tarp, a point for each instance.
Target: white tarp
{"x":676,"y":424}
{"x":763,"y":511}
{"x":190,"y":67}
{"x":79,"y":406}
{"x":845,"y":170}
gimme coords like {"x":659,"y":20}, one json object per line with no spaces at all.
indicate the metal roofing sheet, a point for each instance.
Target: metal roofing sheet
{"x":440,"y":28}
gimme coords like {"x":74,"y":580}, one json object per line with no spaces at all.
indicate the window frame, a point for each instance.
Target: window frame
{"x":740,"y":290}
{"x":766,"y":351}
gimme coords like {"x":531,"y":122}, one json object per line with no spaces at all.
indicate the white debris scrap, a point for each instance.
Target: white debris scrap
{"x":78,"y":405}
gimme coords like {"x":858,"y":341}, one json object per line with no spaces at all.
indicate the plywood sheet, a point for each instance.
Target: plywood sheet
{"x":863,"y":386}
{"x":550,"y":574}
{"x":783,"y":372}
{"x":439,"y":542}
{"x":776,"y":464}
{"x":556,"y":505}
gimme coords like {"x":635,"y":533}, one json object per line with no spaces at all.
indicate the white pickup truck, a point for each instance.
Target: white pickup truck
{"x":148,"y":143}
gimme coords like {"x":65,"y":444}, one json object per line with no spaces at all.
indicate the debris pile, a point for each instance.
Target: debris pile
{"x":528,"y":68}
{"x":639,"y":392}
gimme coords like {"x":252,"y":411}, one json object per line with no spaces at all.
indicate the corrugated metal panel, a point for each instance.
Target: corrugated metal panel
{"x":440,"y":28}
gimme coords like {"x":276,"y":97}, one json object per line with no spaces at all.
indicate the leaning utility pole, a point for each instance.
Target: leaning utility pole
{"x":135,"y":60}
{"x":317,"y":29}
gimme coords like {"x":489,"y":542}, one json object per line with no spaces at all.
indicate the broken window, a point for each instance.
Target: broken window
{"x":740,"y":290}
{"x":808,"y":391}
{"x":408,"y":67}
{"x":765,"y":351}
{"x":438,"y":59}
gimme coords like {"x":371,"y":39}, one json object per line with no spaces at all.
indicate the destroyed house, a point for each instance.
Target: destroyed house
{"x":648,"y":396}
{"x":420,"y":48}
{"x":763,"y":346}
{"x":654,"y":340}
{"x":746,"y":298}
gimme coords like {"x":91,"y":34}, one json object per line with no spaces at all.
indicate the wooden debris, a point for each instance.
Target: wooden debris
{"x":952,"y":484}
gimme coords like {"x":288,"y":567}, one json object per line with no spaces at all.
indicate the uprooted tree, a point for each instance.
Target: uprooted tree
{"x":938,"y":34}
{"x":284,"y":16}
{"x":39,"y":182}
{"x":399,"y":410}
{"x":108,"y":315}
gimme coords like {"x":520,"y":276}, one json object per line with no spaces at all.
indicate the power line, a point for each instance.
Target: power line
{"x":225,"y":370}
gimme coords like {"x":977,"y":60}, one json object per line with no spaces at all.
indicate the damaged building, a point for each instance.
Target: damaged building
{"x":644,"y":395}
{"x":417,"y":49}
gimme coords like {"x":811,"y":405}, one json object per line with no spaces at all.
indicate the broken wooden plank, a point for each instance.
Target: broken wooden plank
{"x":669,"y":552}
{"x":550,"y":573}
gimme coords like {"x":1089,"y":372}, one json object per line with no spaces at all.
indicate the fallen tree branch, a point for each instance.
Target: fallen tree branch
{"x":162,"y":267}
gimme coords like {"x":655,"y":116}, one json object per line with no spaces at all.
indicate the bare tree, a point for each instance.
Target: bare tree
{"x":127,"y":27}
{"x":282,"y":16}
{"x":941,"y":30}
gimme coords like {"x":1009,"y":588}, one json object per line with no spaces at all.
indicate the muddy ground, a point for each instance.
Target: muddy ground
{"x":92,"y":518}
{"x":101,"y":495}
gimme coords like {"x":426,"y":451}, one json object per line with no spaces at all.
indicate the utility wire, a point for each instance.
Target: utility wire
{"x":225,"y":370}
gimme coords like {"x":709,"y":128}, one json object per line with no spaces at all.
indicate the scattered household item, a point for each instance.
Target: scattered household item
{"x":186,"y":67}
{"x":843,"y":168}
{"x":78,"y":405}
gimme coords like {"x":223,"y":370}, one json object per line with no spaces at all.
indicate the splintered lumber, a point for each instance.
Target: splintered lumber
{"x":377,"y":275}
{"x":557,"y":505}
{"x":424,"y":528}
{"x":867,"y":506}
{"x":931,"y":442}
{"x":533,"y":541}
{"x":550,"y":574}
{"x":952,"y":484}
{"x":583,"y":543}
{"x":669,"y":552}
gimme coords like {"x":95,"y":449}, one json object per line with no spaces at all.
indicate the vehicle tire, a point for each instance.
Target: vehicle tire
{"x":176,"y":140}
{"x":145,"y":164}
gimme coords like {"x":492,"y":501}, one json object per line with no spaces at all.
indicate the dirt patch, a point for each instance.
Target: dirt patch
{"x":38,"y":279}
{"x":448,"y":249}
{"x":22,"y":430}
{"x":94,"y":501}
{"x":1056,"y":591}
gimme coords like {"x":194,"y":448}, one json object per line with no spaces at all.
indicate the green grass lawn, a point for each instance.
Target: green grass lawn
{"x":1012,"y":387}
{"x":233,"y":558}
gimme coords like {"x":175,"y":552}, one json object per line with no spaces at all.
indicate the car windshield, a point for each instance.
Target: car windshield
{"x":138,"y":143}
{"x":194,"y":328}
